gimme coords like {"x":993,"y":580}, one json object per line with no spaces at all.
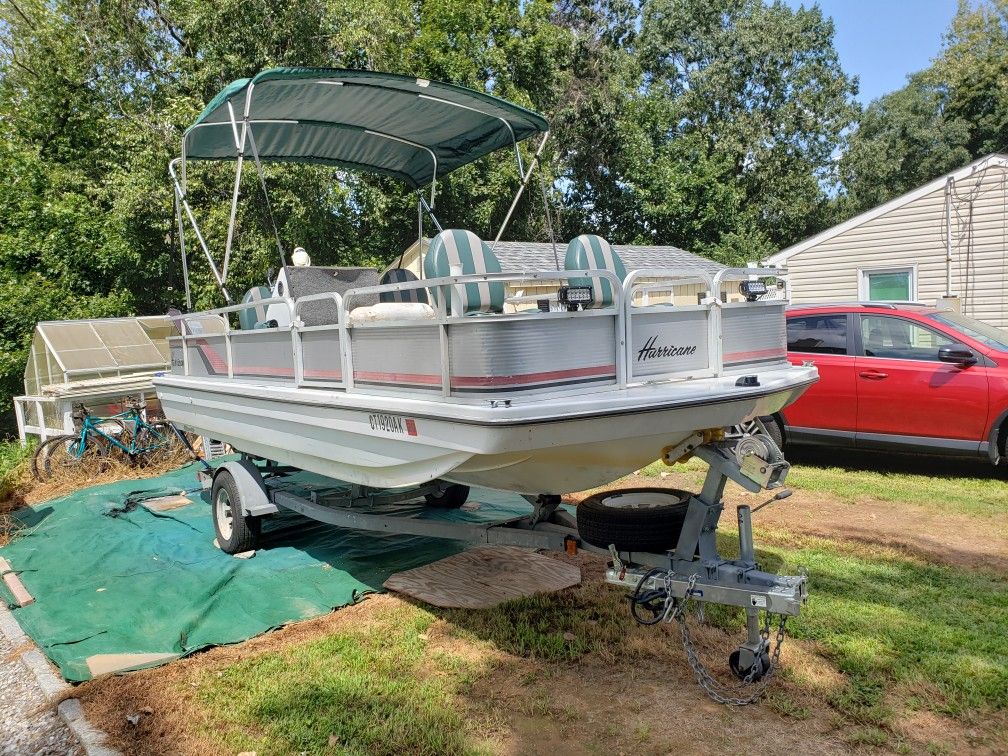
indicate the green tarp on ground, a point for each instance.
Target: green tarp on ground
{"x":111,"y":576}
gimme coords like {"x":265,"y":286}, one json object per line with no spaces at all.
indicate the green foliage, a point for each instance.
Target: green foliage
{"x":14,"y":459}
{"x":953,"y":112}
{"x":712,"y":127}
{"x":754,"y":95}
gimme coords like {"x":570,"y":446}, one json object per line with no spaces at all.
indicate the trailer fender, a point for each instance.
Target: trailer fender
{"x":255,"y":500}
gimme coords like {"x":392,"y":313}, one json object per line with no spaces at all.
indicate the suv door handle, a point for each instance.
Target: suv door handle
{"x":873,"y":375}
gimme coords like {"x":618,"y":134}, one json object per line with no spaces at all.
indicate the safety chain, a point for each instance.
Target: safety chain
{"x":675,"y":610}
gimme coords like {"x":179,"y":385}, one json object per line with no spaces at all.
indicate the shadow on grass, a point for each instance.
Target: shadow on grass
{"x":892,"y":462}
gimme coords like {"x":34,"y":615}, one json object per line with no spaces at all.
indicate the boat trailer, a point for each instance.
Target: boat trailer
{"x":661,"y":586}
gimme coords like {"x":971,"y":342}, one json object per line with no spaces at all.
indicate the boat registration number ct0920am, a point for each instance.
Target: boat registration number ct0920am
{"x":403,"y":426}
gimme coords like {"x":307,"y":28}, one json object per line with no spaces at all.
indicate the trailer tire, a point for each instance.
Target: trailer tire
{"x":452,"y":497}
{"x":236,"y":532}
{"x":634,"y":519}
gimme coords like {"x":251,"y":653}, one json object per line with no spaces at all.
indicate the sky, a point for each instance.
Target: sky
{"x":882,"y":41}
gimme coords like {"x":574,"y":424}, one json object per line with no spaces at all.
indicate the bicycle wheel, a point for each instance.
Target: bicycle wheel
{"x":38,"y":462}
{"x":67,"y":455}
{"x":159,"y":444}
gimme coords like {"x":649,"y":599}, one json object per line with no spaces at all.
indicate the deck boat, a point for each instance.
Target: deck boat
{"x":401,"y":380}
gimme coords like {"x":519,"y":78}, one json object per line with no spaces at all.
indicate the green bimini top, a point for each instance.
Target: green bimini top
{"x":414,"y":129}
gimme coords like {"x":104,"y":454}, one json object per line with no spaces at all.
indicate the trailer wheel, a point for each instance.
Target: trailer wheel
{"x":634,"y":519}
{"x":452,"y":497}
{"x":235,"y":532}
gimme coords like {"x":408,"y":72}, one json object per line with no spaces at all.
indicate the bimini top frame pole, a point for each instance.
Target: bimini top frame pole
{"x":413,"y":129}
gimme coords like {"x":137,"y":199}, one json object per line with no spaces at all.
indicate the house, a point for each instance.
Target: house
{"x":539,"y":256}
{"x":944,"y":243}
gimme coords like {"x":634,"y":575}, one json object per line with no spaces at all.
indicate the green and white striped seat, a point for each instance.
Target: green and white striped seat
{"x":252,"y":316}
{"x":401,"y":275}
{"x":590,"y":252}
{"x":465,"y":250}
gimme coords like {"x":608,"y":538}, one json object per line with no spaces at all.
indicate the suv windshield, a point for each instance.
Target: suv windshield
{"x":996,"y":338}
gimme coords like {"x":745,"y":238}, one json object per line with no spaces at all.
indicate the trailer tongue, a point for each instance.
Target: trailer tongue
{"x":661,"y":585}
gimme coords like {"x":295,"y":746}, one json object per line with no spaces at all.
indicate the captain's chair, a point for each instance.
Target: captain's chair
{"x":590,"y":252}
{"x":250,"y":317}
{"x":454,"y":248}
{"x":401,"y":275}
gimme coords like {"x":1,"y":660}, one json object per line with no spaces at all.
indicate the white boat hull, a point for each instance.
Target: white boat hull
{"x":553,"y":444}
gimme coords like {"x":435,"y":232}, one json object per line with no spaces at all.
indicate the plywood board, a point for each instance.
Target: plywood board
{"x":17,"y":589}
{"x":166,"y":503}
{"x":101,"y":664}
{"x":484,"y":577}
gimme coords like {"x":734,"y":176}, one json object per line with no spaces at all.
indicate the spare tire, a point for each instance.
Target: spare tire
{"x":634,"y":519}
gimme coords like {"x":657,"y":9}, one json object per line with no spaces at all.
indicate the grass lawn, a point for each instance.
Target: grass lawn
{"x":935,"y":484}
{"x":13,"y":456}
{"x":894,"y":652}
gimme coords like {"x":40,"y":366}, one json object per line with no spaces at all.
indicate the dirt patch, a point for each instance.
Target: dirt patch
{"x":939,"y":537}
{"x":637,"y":696}
{"x":171,"y":718}
{"x":520,"y":705}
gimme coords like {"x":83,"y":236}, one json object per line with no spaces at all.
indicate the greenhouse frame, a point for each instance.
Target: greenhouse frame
{"x":100,"y":363}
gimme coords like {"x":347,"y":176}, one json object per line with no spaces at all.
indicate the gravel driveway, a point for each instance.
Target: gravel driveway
{"x":29,"y":725}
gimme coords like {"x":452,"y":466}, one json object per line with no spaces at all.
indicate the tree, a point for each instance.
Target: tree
{"x":707,"y":125}
{"x":973,"y":71}
{"x":904,"y":139}
{"x":947,"y":115}
{"x":748,"y":100}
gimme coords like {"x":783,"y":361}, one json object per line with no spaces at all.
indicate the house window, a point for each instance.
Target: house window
{"x":888,"y":285}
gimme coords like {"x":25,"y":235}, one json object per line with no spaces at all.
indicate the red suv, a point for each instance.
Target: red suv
{"x":898,"y":377}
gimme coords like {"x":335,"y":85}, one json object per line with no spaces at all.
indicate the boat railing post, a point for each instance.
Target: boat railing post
{"x":716,"y":339}
{"x":628,"y":322}
{"x":443,"y":333}
{"x":346,"y":352}
{"x":227,"y":346}
{"x":297,"y":349}
{"x":619,"y":300}
{"x":185,"y":346}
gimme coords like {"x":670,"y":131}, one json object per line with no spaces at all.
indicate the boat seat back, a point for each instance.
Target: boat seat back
{"x":307,"y":280}
{"x":590,"y":252}
{"x":401,"y":275}
{"x":455,"y":248}
{"x":252,"y":316}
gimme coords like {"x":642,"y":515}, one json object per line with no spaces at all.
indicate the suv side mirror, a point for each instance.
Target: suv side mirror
{"x":957,"y":355}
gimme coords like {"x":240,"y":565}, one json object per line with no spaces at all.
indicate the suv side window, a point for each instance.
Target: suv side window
{"x":819,"y":334}
{"x":900,"y":339}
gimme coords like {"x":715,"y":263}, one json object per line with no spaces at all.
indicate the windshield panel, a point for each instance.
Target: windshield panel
{"x":995,"y":338}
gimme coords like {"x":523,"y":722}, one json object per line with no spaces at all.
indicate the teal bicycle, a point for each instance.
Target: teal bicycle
{"x":90,"y":449}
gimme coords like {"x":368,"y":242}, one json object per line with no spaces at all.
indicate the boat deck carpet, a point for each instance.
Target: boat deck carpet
{"x":485,"y":577}
{"x":125,"y":575}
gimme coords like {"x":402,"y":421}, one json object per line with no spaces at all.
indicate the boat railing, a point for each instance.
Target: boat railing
{"x":668,"y":339}
{"x":748,"y":315}
{"x":211,"y":326}
{"x":451,"y":327}
{"x":631,"y":340}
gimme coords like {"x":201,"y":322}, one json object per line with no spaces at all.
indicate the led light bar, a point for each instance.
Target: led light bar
{"x":575,"y":297}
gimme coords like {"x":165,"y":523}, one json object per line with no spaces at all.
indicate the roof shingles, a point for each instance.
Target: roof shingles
{"x":522,"y":256}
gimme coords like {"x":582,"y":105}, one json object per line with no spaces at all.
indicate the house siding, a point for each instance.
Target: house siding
{"x":914,"y":234}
